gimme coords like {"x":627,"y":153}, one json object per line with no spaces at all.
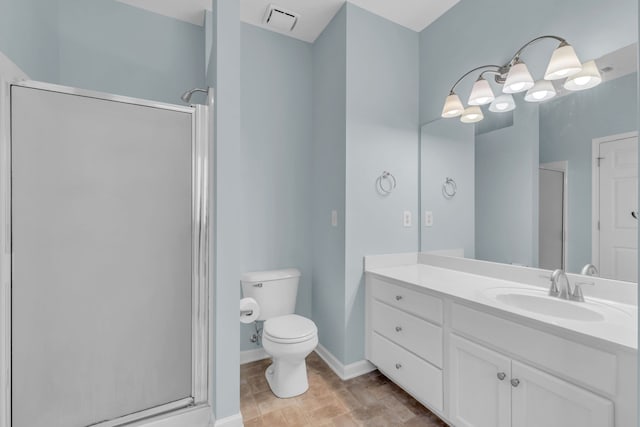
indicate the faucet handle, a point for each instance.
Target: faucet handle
{"x":577,"y":291}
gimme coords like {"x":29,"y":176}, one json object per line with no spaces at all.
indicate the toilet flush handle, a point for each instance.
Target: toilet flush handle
{"x":257,"y":285}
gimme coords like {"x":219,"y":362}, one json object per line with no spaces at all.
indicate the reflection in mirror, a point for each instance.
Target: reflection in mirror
{"x":549,"y":185}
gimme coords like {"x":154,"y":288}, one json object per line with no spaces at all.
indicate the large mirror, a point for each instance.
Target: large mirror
{"x":549,"y":184}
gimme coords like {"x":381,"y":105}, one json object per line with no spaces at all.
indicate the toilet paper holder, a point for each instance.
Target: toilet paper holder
{"x":246,"y":312}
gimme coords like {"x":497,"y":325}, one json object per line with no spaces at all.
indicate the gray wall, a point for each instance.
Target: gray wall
{"x":382,"y":134}
{"x":224,"y":74}
{"x":111,"y":47}
{"x":103,"y":45}
{"x":276,"y":152}
{"x":448,"y":150}
{"x":29,"y":36}
{"x":506,"y":214}
{"x":567,"y":127}
{"x":328,"y":187}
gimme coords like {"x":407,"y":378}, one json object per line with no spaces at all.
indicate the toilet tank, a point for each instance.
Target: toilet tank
{"x":275,"y":291}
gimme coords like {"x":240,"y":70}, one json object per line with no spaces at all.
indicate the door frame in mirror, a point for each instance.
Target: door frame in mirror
{"x":561,"y":166}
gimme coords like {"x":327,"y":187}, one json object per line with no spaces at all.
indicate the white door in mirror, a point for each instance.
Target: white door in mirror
{"x":618,"y":202}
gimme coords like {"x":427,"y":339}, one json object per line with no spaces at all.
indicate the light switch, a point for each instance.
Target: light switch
{"x":406,"y":218}
{"x":428,"y":219}
{"x":334,"y":218}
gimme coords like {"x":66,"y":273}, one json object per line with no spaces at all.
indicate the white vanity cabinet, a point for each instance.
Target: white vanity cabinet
{"x":405,"y":339}
{"x":476,"y":366}
{"x":479,"y":389}
{"x":488,"y":389}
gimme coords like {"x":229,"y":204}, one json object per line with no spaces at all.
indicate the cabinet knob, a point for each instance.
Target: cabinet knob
{"x":515,"y":382}
{"x":501,"y":376}
{"x":398,"y":366}
{"x":398,"y":297}
{"x":398,"y":328}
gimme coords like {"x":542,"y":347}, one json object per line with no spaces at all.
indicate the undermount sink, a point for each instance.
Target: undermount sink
{"x":537,"y":301}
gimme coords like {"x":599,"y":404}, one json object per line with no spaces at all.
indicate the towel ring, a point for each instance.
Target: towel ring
{"x":386,"y":183}
{"x":449,"y":188}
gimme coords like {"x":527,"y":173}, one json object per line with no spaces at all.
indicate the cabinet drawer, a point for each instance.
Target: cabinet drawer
{"x":418,"y":377}
{"x":422,"y":305}
{"x":589,"y":366}
{"x":414,"y":334}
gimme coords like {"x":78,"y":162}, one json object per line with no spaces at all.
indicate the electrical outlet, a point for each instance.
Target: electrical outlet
{"x":428,"y":219}
{"x":406,"y":219}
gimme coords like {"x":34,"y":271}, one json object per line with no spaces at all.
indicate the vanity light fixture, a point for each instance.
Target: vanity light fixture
{"x":541,"y":91}
{"x":586,"y":79}
{"x":515,"y":77}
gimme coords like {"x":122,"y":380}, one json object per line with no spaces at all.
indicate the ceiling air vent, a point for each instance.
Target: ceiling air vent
{"x":280,"y":19}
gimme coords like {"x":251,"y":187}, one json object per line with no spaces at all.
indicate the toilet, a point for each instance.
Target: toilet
{"x":287,"y":337}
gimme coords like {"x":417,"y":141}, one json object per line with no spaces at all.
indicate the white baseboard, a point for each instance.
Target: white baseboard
{"x":345,"y":372}
{"x":249,"y":356}
{"x":232,"y":421}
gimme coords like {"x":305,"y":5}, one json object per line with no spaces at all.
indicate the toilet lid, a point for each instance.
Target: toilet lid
{"x":290,"y":328}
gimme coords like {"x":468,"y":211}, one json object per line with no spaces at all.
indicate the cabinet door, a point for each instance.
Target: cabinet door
{"x":479,"y":392}
{"x":540,"y":399}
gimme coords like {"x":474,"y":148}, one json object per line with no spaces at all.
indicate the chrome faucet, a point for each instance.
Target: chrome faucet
{"x":590,"y":270}
{"x":565,"y":293}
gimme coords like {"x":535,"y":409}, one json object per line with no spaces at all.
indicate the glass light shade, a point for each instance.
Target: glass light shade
{"x":586,"y":79}
{"x":472,"y":114}
{"x":541,"y":91}
{"x":481,"y":93}
{"x":518,"y":80}
{"x":502,"y":104}
{"x":452,"y":106}
{"x":564,"y":63}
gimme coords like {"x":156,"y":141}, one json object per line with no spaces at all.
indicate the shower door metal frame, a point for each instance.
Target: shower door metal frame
{"x":198,"y":406}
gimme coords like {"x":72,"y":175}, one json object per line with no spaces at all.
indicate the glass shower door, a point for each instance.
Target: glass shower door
{"x":103,"y":262}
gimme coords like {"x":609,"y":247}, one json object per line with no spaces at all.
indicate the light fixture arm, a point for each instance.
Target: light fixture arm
{"x":497,"y":67}
{"x":502,"y":70}
{"x":516,"y":56}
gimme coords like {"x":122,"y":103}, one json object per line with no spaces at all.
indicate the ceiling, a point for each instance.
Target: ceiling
{"x":315,"y":15}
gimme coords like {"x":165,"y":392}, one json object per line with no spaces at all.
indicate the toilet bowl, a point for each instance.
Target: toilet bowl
{"x":288,"y":340}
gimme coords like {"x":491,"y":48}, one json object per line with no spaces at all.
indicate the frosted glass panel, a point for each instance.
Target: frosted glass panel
{"x":101,"y":258}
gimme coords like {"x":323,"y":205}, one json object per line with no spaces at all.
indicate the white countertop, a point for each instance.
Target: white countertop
{"x":620,"y":328}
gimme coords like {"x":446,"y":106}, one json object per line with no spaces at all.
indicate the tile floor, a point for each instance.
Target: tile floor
{"x":370,"y":400}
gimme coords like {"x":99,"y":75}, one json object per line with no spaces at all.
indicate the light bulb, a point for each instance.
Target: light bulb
{"x":452,"y":106}
{"x":564,"y":62}
{"x":472,"y":114}
{"x":519,"y":79}
{"x":481,"y":93}
{"x":586,"y":79}
{"x":582,"y":80}
{"x":502,"y":104}
{"x":541,"y":91}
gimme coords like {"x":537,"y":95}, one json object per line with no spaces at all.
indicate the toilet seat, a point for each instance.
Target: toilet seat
{"x":289,"y":329}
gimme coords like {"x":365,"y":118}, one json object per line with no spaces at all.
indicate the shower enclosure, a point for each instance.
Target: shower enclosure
{"x":104,"y":302}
